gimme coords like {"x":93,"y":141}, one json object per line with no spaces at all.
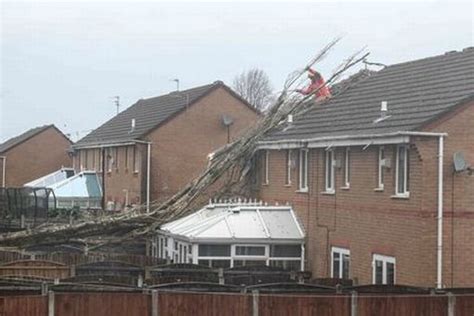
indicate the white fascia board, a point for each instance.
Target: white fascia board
{"x":107,"y":145}
{"x":347,"y":140}
{"x":325,"y":143}
{"x":198,"y":240}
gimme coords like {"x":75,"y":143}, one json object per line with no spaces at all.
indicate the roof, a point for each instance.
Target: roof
{"x":148,"y":114}
{"x":85,"y":184}
{"x":52,"y":178}
{"x":14,"y":141}
{"x":416,"y":92}
{"x":223,"y":222}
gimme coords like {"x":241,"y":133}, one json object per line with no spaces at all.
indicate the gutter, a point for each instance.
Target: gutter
{"x":300,"y":142}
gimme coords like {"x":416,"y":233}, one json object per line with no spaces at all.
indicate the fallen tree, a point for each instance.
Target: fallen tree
{"x":234,"y":161}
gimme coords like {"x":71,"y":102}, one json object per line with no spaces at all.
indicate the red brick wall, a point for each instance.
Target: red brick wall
{"x":181,"y":146}
{"x":458,"y":254}
{"x":368,"y":221}
{"x":122,"y":180}
{"x":178,"y":152}
{"x":42,"y":154}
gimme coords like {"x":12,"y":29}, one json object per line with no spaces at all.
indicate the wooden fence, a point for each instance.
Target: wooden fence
{"x":233,"y":304}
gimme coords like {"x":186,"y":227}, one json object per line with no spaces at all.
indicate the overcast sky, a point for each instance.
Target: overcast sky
{"x":62,"y":63}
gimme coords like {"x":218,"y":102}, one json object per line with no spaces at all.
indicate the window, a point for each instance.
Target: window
{"x":101,"y":157}
{"x":329,"y":171}
{"x":285,"y":251}
{"x":380,"y":170}
{"x":214,"y":250}
{"x":249,"y":250}
{"x":110,"y":159}
{"x":347,"y":168}
{"x":85,"y":159}
{"x":288,"y":167}
{"x":402,"y":172}
{"x":303,"y":170}
{"x":116,"y":158}
{"x":265,"y":167}
{"x":136,"y":160}
{"x":93,"y":162}
{"x":340,"y":259}
{"x":126,"y":158}
{"x":383,"y":269}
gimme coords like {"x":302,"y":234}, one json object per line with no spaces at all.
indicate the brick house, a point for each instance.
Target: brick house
{"x":362,"y":172}
{"x":33,"y":154}
{"x":175,"y":131}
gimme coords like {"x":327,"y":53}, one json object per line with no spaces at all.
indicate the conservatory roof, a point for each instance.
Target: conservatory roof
{"x":52,"y":178}
{"x":233,"y":221}
{"x":85,"y":184}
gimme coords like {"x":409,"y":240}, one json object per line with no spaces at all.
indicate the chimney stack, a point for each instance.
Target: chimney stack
{"x":384,"y":108}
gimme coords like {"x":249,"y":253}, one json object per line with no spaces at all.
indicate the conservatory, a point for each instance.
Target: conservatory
{"x":234,"y":234}
{"x":72,"y":189}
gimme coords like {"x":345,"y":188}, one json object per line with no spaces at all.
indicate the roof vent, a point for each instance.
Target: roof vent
{"x":383,"y":112}
{"x":132,"y":129}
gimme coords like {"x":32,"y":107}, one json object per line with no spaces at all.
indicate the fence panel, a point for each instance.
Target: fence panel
{"x":23,"y":306}
{"x":35,"y":268}
{"x":275,"y":305}
{"x":464,"y":304}
{"x":102,"y":304}
{"x":402,"y":305}
{"x":204,"y":304}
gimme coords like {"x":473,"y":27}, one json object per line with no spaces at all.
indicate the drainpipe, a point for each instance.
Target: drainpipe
{"x":4,"y":165}
{"x":148,"y":158}
{"x":439,"y":274}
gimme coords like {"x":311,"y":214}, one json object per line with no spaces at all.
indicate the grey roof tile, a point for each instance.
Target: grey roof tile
{"x":12,"y":142}
{"x":148,"y":114}
{"x":416,"y":91}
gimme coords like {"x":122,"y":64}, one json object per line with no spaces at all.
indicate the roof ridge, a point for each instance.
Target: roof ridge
{"x":451,"y":53}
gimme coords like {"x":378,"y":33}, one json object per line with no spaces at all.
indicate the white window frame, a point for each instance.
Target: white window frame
{"x":347,"y":165}
{"x":406,"y":193}
{"x":329,"y":172}
{"x":266,"y":179}
{"x":136,"y":161}
{"x":380,"y":168}
{"x":341,"y":251}
{"x":288,"y":167}
{"x":385,"y":260}
{"x":303,"y":178}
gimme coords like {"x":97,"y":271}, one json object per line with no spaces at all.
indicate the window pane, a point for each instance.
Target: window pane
{"x":214,"y":250}
{"x":401,"y":170}
{"x":204,"y":263}
{"x":220,"y":263}
{"x":288,"y":251}
{"x":345,"y":266}
{"x":289,"y":265}
{"x":250,"y":250}
{"x":378,"y":272}
{"x":249,"y":263}
{"x":336,"y":264}
{"x":390,"y":273}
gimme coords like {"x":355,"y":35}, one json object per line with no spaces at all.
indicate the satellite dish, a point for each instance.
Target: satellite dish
{"x":227,"y":120}
{"x":460,"y":163}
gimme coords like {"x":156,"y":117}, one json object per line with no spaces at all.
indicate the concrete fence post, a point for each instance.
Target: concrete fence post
{"x":354,"y":303}
{"x":451,"y":304}
{"x":221,"y":276}
{"x":255,"y":303}
{"x":154,"y":303}
{"x":50,"y":303}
